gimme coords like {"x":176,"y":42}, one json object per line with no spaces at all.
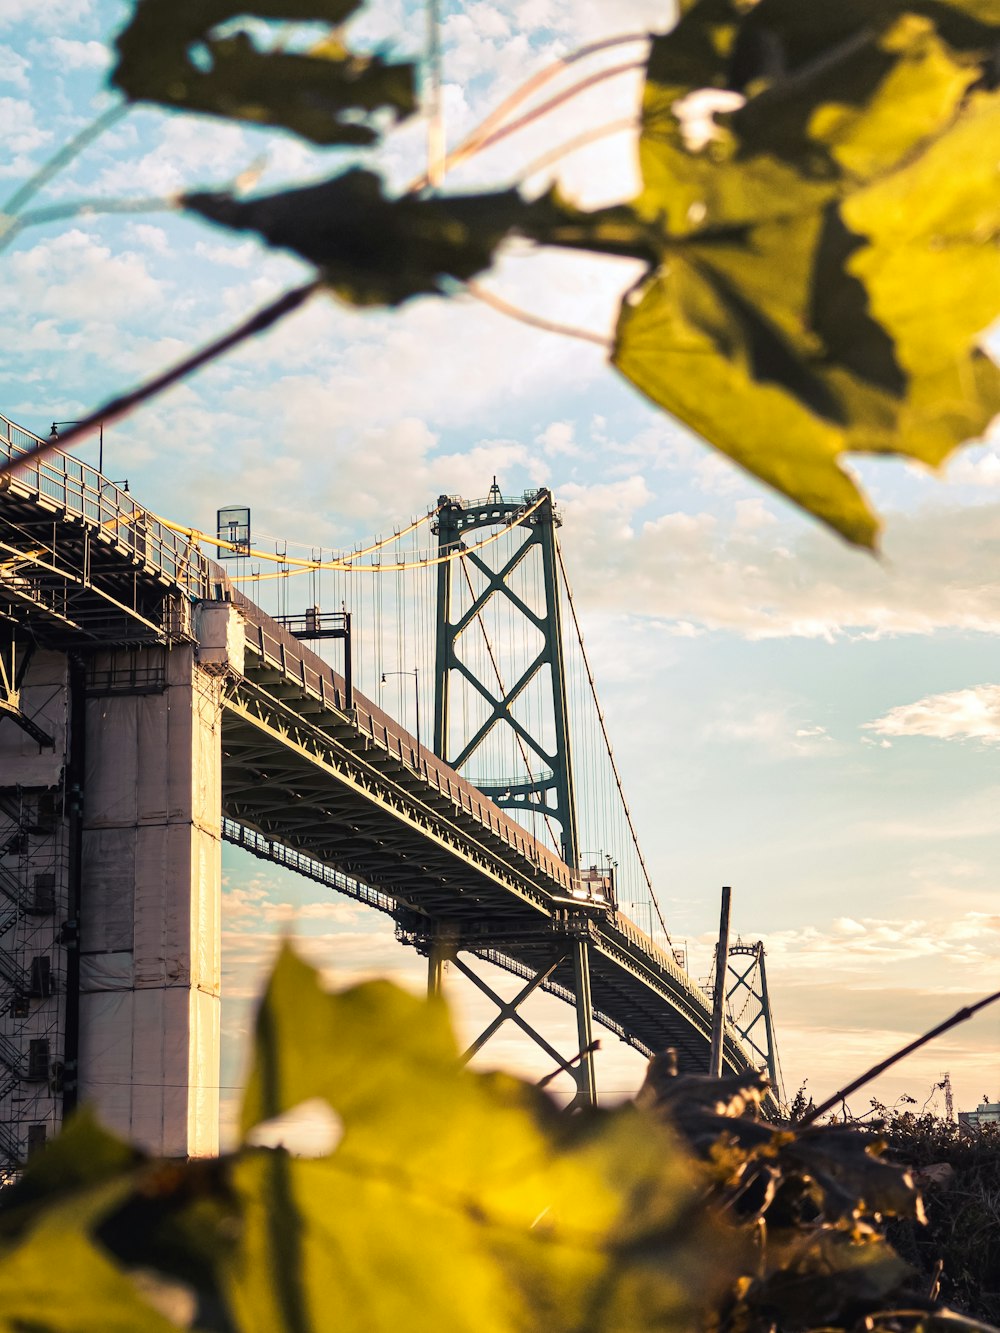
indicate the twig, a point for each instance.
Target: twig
{"x":62,"y":159}
{"x":470,"y":144}
{"x":883,"y":1065}
{"x":587,"y":1050}
{"x":578,"y":141}
{"x":85,"y":208}
{"x":535,"y":321}
{"x":536,"y":113}
{"x":120,"y":407}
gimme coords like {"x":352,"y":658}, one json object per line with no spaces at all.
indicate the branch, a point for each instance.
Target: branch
{"x":472,"y":142}
{"x":121,"y":407}
{"x":55,"y":164}
{"x":883,"y":1065}
{"x":535,"y":321}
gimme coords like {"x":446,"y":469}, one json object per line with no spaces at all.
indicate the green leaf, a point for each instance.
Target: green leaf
{"x":57,"y":1280}
{"x":172,"y":53}
{"x":829,"y":250}
{"x":461,"y":1196}
{"x":375,"y":250}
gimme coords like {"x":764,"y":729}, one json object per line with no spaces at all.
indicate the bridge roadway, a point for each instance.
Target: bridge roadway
{"x":342,"y":795}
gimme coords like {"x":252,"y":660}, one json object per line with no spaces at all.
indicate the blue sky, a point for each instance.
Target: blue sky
{"x":813,"y":726}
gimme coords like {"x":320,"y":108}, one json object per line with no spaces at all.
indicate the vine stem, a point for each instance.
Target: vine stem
{"x":960,"y":1017}
{"x":578,"y":141}
{"x":120,"y":407}
{"x":58,"y":160}
{"x":490,"y":127}
{"x":535,"y":321}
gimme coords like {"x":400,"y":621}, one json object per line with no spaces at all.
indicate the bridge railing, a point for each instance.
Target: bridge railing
{"x":278,"y":648}
{"x":79,"y":489}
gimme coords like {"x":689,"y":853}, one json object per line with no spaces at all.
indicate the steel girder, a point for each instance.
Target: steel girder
{"x":328,"y":793}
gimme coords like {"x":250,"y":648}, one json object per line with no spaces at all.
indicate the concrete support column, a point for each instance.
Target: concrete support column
{"x":150,"y":965}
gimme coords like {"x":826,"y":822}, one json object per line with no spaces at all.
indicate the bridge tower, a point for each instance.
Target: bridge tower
{"x":749,"y":1007}
{"x":469,"y":581}
{"x":548,"y":791}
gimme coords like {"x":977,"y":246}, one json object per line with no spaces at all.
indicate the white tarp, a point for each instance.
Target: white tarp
{"x":151,"y":914}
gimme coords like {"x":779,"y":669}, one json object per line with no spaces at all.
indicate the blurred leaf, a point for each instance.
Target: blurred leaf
{"x":375,"y":250}
{"x":55,"y":1279}
{"x":172,"y":53}
{"x":828,"y":237}
{"x":83,"y":1156}
{"x":828,"y":1279}
{"x":489,"y":1210}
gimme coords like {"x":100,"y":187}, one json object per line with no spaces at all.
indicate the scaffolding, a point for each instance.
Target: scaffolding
{"x":34,"y":910}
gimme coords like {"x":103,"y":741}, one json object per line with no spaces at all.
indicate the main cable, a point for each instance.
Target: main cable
{"x":607,"y":738}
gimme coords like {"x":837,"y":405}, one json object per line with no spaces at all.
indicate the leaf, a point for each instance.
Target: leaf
{"x":828,"y":247}
{"x":57,"y":1281}
{"x":172,"y":52}
{"x":375,"y":250}
{"x":489,"y":1210}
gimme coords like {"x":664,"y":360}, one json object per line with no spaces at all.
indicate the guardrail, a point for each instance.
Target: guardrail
{"x":79,"y":489}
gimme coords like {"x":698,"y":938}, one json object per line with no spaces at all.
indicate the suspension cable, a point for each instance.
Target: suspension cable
{"x":607,"y":738}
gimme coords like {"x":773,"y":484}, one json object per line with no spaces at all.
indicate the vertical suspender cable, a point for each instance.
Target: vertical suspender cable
{"x":607,"y":738}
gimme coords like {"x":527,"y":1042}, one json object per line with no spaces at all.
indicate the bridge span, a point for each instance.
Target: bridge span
{"x":153,"y":710}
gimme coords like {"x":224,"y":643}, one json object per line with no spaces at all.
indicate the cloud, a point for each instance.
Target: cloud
{"x":972,"y":714}
{"x":68,"y":53}
{"x":762,"y":578}
{"x":52,"y":16}
{"x":13,"y":68}
{"x":76,"y":277}
{"x":772,"y":728}
{"x":19,"y":129}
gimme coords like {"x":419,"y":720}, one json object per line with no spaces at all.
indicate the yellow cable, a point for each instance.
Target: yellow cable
{"x":194,"y":534}
{"x":402,"y":565}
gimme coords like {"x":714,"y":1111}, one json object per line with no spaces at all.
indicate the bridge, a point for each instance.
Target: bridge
{"x":154,"y":708}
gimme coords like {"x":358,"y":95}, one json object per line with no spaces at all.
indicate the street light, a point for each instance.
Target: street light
{"x":54,"y":439}
{"x":416,"y":697}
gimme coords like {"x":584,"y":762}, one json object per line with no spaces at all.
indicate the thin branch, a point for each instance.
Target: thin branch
{"x":535,"y":321}
{"x":574,"y":1060}
{"x":960,"y":1017}
{"x":543,"y":109}
{"x":62,"y":158}
{"x":84,"y":208}
{"x":121,"y":407}
{"x":577,"y":142}
{"x":471,"y":143}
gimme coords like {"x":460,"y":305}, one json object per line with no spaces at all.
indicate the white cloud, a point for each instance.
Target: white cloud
{"x":52,"y":16}
{"x":68,"y":53}
{"x":772,"y":728}
{"x":19,"y":129}
{"x":13,"y":68}
{"x":972,"y":714}
{"x":75,"y":277}
{"x":557,"y":438}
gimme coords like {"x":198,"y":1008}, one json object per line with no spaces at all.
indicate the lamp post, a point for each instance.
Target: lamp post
{"x":54,"y":437}
{"x":416,"y":698}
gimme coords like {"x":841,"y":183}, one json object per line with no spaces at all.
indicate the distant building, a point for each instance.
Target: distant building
{"x":986,"y":1113}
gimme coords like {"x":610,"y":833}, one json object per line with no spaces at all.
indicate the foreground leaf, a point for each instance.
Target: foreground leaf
{"x":172,"y":53}
{"x":373,"y":249}
{"x":489,"y":1209}
{"x":829,"y":245}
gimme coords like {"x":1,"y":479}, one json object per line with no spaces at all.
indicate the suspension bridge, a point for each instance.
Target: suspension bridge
{"x":432,"y":748}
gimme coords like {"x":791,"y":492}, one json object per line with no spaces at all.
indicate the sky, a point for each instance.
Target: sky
{"x":815,"y":727}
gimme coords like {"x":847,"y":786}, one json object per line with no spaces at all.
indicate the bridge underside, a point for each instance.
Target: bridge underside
{"x":308,"y":781}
